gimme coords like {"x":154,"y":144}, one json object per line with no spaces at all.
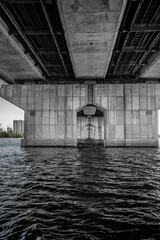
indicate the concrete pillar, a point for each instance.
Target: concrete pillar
{"x":50,"y":112}
{"x":131,"y":115}
{"x":130,"y":112}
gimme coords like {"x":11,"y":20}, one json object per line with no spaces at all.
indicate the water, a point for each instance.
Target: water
{"x":73,"y":194}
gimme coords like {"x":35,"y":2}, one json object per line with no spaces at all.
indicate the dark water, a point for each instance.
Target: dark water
{"x":69,"y":193}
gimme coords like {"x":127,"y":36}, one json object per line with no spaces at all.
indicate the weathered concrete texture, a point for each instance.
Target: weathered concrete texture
{"x":90,"y":128}
{"x":152,"y":69}
{"x":50,"y":112}
{"x":91,"y":29}
{"x":130,"y":113}
{"x":13,"y":61}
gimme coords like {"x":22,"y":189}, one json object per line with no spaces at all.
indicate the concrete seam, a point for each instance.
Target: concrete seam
{"x":139,"y":87}
{"x":56,"y":113}
{"x":115,"y":112}
{"x":132,"y":110}
{"x":49,"y":114}
{"x":156,"y":114}
{"x":124,"y":112}
{"x":65,"y":107}
{"x":35,"y":114}
{"x":100,"y":94}
{"x":42,"y":111}
{"x":146,"y":112}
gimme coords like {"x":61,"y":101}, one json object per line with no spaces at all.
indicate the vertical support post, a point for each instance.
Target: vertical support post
{"x":124,"y":110}
{"x":90,"y":94}
{"x":90,"y":102}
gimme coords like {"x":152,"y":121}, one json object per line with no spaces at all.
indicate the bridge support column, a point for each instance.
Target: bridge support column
{"x":50,"y":112}
{"x":131,"y":116}
{"x":130,"y":112}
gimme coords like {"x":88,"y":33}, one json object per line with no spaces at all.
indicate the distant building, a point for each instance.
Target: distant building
{"x":18,"y":126}
{"x":1,"y":129}
{"x":9,"y":130}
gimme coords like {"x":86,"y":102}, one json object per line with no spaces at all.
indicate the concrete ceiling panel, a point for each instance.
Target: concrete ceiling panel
{"x":90,"y":42}
{"x":90,"y":66}
{"x":153,"y":71}
{"x":98,"y":22}
{"x":91,"y":28}
{"x":91,"y":6}
{"x":13,"y":61}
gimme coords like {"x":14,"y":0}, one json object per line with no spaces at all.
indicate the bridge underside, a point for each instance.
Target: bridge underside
{"x":73,"y":41}
{"x":111,"y":114}
{"x":82,"y":70}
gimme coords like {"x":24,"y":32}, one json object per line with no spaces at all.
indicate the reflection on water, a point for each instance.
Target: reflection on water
{"x":85,"y":193}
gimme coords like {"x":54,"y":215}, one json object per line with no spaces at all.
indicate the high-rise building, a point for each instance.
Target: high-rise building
{"x":18,"y":126}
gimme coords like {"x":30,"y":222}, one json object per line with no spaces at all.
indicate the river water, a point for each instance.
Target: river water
{"x":79,"y":193}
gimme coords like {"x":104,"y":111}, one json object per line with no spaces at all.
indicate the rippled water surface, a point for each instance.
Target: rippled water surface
{"x":86,"y":193}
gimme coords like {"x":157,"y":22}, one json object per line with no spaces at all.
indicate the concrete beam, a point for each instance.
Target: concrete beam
{"x":138,"y":28}
{"x":6,"y":78}
{"x":27,"y":42}
{"x":129,"y":113}
{"x":91,"y":30}
{"x":133,"y":49}
{"x":152,"y":69}
{"x":13,"y":62}
{"x":46,"y":51}
{"x":34,"y":32}
{"x":25,"y":1}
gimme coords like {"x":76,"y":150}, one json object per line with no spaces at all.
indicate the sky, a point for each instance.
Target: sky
{"x":9,"y":112}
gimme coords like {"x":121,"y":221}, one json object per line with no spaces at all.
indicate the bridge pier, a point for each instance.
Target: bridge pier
{"x":130,"y":113}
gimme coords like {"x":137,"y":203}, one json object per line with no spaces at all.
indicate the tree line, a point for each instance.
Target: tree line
{"x":5,"y":134}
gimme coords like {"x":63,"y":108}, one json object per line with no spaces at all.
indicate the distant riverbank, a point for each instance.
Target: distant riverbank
{"x":5,"y":134}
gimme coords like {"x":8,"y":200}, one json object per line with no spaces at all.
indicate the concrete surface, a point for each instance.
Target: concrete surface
{"x":152,"y":69}
{"x":130,"y":113}
{"x":91,"y":29}
{"x":14,"y":64}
